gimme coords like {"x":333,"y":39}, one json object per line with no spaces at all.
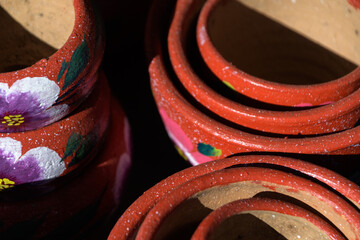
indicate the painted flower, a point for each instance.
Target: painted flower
{"x":37,"y":164}
{"x":28,"y":104}
{"x":195,"y":156}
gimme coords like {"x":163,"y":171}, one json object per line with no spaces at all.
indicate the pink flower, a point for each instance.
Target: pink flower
{"x":182,"y":142}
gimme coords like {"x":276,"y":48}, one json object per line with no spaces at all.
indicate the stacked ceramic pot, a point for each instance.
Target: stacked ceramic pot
{"x":236,"y":83}
{"x":213,"y":108}
{"x":64,"y":139}
{"x":249,"y":197}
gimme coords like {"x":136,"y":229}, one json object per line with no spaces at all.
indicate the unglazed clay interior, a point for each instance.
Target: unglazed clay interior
{"x":32,"y":29}
{"x":288,"y":41}
{"x":258,"y":225}
{"x":183,"y":221}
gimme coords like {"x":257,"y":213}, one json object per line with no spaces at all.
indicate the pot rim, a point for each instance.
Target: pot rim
{"x":347,"y":83}
{"x":219,"y":215}
{"x":82,"y":26}
{"x":131,"y":219}
{"x":283,"y":122}
{"x":164,"y":89}
{"x":178,"y":195}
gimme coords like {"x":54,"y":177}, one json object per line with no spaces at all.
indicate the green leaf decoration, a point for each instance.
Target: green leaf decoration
{"x":64,"y":66}
{"x":229,"y":85}
{"x":72,"y":145}
{"x":87,"y":145}
{"x":208,"y":150}
{"x":78,"y":62}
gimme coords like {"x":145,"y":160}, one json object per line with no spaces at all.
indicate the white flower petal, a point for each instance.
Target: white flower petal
{"x":9,"y":145}
{"x":49,"y":161}
{"x":45,"y":90}
{"x":4,"y":87}
{"x":58,"y":111}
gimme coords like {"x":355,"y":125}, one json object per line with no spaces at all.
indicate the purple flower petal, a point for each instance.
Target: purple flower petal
{"x":19,"y":172}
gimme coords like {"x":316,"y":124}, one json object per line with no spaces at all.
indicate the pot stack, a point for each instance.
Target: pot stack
{"x":65,"y":141}
{"x":232,"y":119}
{"x":213,"y":109}
{"x":251,"y":197}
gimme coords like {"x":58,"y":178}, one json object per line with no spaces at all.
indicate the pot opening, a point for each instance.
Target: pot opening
{"x":294,"y":42}
{"x":31,"y":30}
{"x":256,"y":225}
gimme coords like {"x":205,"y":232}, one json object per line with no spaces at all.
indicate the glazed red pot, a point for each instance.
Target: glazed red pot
{"x":49,"y":61}
{"x":202,"y":138}
{"x":177,"y":187}
{"x":245,"y":43}
{"x":84,"y":205}
{"x":245,"y":218}
{"x":339,"y":115}
{"x":185,"y":206}
{"x":59,"y":148}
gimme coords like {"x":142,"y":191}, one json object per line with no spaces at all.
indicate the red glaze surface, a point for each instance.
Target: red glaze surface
{"x":188,"y":127}
{"x":162,"y":209}
{"x":355,"y":3}
{"x":84,"y":203}
{"x":340,"y":115}
{"x":267,"y":91}
{"x":69,"y":74}
{"x":218,"y":216}
{"x":126,"y":227}
{"x":60,"y":147}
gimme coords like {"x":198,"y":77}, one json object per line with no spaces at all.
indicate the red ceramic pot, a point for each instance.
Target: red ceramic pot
{"x":85,"y":203}
{"x":49,"y":63}
{"x":213,"y":174}
{"x":245,"y":218}
{"x":59,"y":148}
{"x":340,"y":115}
{"x":238,"y":38}
{"x":202,"y":138}
{"x":190,"y":202}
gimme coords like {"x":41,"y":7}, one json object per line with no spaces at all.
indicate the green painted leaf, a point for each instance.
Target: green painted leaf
{"x":78,"y":62}
{"x":229,"y":85}
{"x":72,"y":145}
{"x":87,"y":145}
{"x":208,"y":150}
{"x":64,"y":66}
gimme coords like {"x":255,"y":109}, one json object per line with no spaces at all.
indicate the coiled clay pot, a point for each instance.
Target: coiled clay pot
{"x":341,"y":114}
{"x":176,"y":206}
{"x":278,"y":52}
{"x":202,"y":136}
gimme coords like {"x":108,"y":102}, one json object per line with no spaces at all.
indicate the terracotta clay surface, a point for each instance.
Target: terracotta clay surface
{"x":213,"y":187}
{"x":201,"y":137}
{"x":58,"y":148}
{"x":248,"y":43}
{"x":79,"y":205}
{"x":190,"y":202}
{"x":257,"y":218}
{"x":50,"y":54}
{"x":340,"y":115}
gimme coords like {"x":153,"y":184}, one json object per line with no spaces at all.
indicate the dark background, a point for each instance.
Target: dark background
{"x":154,"y":156}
